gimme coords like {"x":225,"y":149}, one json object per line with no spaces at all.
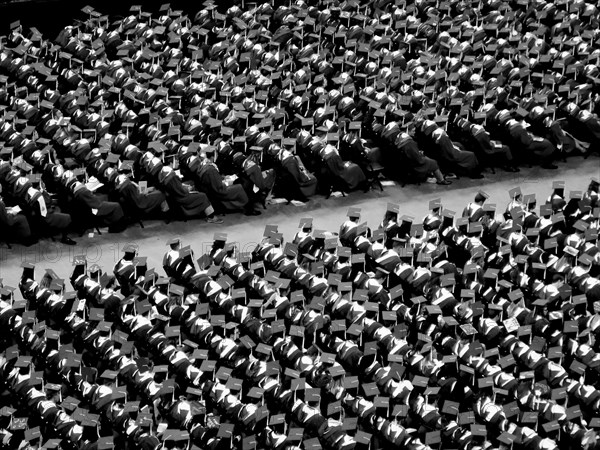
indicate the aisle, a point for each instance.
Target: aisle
{"x":328,"y":214}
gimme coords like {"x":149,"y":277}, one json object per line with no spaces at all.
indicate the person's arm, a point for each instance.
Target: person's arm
{"x":6,"y":219}
{"x":413,"y":153}
{"x":522,"y":136}
{"x":89,"y":198}
{"x":215,"y":181}
{"x":484,"y":141}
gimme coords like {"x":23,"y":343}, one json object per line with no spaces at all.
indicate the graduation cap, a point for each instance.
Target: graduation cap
{"x":558,"y":217}
{"x":172,"y":435}
{"x":130,"y":249}
{"x":24,"y":167}
{"x":435,"y":204}
{"x":514,"y":192}
{"x":451,"y":408}
{"x":550,"y":244}
{"x":475,"y":227}
{"x":354,"y":213}
{"x":176,"y":290}
{"x":305,"y":223}
{"x":545,"y":210}
{"x":106,"y":443}
{"x":581,"y":225}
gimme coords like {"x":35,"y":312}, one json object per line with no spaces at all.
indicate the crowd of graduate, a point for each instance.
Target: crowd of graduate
{"x":195,"y":115}
{"x":472,"y":331}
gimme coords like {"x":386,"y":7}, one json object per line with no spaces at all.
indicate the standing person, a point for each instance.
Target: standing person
{"x":389,"y":224}
{"x":349,"y":228}
{"x":474,"y":210}
{"x":592,"y":191}
{"x":124,"y":269}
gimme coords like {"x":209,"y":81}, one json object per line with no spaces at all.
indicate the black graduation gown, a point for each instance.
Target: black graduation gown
{"x":301,"y":181}
{"x":353,"y":149}
{"x":524,"y":143}
{"x":592,"y":124}
{"x":262,"y":180}
{"x":484,"y":148}
{"x":530,"y":220}
{"x":130,"y":197}
{"x":13,"y":227}
{"x":455,"y":157}
{"x":348,"y":173}
{"x":256,"y":183}
{"x":108,"y":212}
{"x":585,"y":128}
{"x":419,"y":164}
{"x":53,"y":221}
{"x":553,"y":133}
{"x":190,"y":203}
{"x":228,"y":198}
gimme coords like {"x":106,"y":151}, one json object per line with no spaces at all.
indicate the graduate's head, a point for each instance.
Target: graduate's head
{"x":481,"y":197}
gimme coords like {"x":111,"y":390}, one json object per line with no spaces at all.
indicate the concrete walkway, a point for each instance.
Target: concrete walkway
{"x":106,"y":249}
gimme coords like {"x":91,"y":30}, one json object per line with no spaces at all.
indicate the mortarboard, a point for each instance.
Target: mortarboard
{"x":179,"y":435}
{"x":393,"y":208}
{"x":529,"y":199}
{"x":435,"y":204}
{"x":312,"y":444}
{"x":550,"y":244}
{"x":586,"y":260}
{"x":305,"y":223}
{"x":105,"y":443}
{"x":514,"y":192}
{"x":270,"y":230}
{"x":173,"y":242}
{"x":354,"y":213}
{"x":451,"y":408}
{"x":32,"y":434}
{"x":176,"y":290}
{"x":506,"y":361}
{"x":571,"y":251}
{"x":130,"y":248}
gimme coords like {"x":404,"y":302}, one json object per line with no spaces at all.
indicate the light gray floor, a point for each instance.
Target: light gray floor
{"x":328,"y":214}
